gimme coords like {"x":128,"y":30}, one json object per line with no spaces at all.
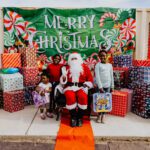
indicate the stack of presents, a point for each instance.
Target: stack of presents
{"x":132,"y":86}
{"x":16,"y":88}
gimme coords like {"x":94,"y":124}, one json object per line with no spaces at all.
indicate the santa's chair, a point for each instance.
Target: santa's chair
{"x":60,"y":102}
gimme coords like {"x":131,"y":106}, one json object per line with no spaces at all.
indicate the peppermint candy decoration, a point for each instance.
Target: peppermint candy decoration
{"x":120,"y":42}
{"x":90,"y":62}
{"x":29,"y":30}
{"x":9,"y":39}
{"x":120,"y":11}
{"x":128,"y":28}
{"x":107,"y":15}
{"x":112,"y":34}
{"x":14,"y":23}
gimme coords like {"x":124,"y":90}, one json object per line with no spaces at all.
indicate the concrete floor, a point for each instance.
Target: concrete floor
{"x":28,"y":122}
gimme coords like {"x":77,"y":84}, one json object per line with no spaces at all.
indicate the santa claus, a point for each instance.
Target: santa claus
{"x":77,"y":79}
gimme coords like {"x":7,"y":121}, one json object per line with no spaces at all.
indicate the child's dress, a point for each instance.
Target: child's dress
{"x":41,"y":100}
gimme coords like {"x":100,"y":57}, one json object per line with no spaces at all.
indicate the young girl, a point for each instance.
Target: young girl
{"x":104,"y":78}
{"x":41,"y":96}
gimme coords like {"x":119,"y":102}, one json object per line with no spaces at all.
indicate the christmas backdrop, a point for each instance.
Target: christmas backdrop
{"x":62,"y":31}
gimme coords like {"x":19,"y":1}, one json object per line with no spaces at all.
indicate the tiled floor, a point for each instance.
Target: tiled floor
{"x":28,"y":122}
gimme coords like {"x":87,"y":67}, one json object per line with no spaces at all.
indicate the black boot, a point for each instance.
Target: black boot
{"x":73,"y":120}
{"x":79,"y":117}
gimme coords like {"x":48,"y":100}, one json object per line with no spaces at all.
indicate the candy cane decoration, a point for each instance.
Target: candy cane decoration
{"x":131,"y":41}
{"x":14,"y":23}
{"x":107,"y":15}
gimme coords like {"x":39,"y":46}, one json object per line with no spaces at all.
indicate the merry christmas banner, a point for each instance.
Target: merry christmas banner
{"x":62,"y":31}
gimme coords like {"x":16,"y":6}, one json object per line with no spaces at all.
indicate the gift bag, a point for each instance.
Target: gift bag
{"x":38,"y":99}
{"x":102,"y":102}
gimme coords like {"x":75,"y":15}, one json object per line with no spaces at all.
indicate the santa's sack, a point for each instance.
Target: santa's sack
{"x":102,"y":102}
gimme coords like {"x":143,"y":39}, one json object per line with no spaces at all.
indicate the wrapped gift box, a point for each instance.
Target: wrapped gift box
{"x":130,"y":94}
{"x":11,"y":82}
{"x":141,"y":99}
{"x":30,"y":75}
{"x":126,"y":70}
{"x":139,"y":74}
{"x":122,"y":61}
{"x":28,"y":57}
{"x":141,"y":63}
{"x":1,"y":99}
{"x":119,"y":79}
{"x":13,"y":101}
{"x":119,"y":103}
{"x":28,"y":95}
{"x":11,"y":60}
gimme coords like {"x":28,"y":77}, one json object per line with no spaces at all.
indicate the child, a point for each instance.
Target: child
{"x":104,"y":78}
{"x":41,"y":96}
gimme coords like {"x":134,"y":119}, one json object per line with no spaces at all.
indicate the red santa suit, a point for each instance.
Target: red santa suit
{"x":75,"y":90}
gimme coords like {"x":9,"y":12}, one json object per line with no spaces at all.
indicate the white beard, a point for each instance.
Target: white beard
{"x":75,"y":69}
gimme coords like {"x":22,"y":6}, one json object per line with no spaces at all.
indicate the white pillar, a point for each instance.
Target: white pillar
{"x":1,"y":34}
{"x":144,"y":36}
{"x":138,"y":32}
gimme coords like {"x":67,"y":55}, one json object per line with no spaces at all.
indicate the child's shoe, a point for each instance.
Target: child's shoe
{"x":102,"y":119}
{"x":49,"y":115}
{"x":42,"y":115}
{"x":98,"y":120}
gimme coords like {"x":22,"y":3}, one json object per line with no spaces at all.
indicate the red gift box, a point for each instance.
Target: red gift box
{"x":30,"y":75}
{"x":13,"y":101}
{"x":28,"y":57}
{"x":1,"y":99}
{"x":119,"y":103}
{"x":11,"y":60}
{"x":139,"y":63}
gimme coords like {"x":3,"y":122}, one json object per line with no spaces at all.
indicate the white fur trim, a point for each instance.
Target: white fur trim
{"x":61,"y":80}
{"x":82,"y":106}
{"x":71,"y":106}
{"x":85,"y":90}
{"x":64,"y":74}
{"x":64,"y":71}
{"x":89,"y":84}
{"x":59,"y":88}
{"x":72,"y":88}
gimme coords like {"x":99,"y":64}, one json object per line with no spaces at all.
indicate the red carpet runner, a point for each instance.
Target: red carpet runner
{"x":78,"y":138}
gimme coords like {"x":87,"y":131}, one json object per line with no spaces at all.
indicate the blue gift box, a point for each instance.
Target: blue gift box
{"x":122,"y":61}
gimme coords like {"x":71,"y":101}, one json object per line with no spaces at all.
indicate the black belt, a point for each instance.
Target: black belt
{"x":74,"y":84}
